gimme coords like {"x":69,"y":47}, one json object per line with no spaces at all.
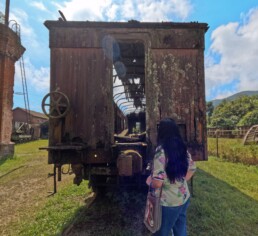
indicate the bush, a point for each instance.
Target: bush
{"x":251,"y":118}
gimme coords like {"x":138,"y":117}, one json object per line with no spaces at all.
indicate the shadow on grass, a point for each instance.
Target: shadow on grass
{"x":220,"y":209}
{"x":117,"y":213}
{"x":216,"y":209}
{"x":5,"y":158}
{"x":9,"y":172}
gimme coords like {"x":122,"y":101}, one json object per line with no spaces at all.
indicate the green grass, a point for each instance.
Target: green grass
{"x":233,"y":150}
{"x":225,"y":202}
{"x":225,"y":199}
{"x":23,"y":153}
{"x":58,"y":211}
{"x":38,"y":214}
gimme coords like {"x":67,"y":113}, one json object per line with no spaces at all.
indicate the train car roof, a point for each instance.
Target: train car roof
{"x":130,"y":24}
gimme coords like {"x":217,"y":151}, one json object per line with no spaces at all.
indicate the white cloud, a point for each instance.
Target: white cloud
{"x":112,"y":12}
{"x":223,"y":94}
{"x":41,"y":79}
{"x":128,"y":10}
{"x":37,"y":78}
{"x":163,"y":10}
{"x":33,"y":34}
{"x":28,"y":34}
{"x":38,"y":5}
{"x":236,"y":44}
{"x":142,"y":10}
{"x":82,"y":10}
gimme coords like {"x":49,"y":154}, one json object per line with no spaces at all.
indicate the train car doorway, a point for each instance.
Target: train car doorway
{"x":129,"y":88}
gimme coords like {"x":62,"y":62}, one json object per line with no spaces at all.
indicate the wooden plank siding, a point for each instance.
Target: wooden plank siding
{"x":84,"y":76}
{"x":81,"y":68}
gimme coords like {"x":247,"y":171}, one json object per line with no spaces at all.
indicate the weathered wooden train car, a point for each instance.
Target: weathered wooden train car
{"x":111,"y":83}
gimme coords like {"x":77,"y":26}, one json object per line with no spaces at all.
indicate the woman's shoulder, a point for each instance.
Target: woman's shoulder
{"x":189,"y":154}
{"x":159,"y":152}
{"x":160,"y":157}
{"x":159,"y":148}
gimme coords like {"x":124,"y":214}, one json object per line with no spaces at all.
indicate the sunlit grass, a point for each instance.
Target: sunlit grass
{"x":233,"y":150}
{"x":225,"y":201}
{"x":23,"y":153}
{"x":59,"y":210}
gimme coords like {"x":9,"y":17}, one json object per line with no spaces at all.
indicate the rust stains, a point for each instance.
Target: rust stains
{"x":166,"y":60}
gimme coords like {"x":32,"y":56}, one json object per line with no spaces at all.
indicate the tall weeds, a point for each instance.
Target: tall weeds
{"x":233,"y":150}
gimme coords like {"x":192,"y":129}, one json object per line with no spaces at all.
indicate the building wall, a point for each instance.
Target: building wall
{"x":10,"y":51}
{"x":20,"y":116}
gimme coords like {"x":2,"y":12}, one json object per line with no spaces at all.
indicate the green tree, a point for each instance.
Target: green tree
{"x":228,"y":114}
{"x":251,"y":118}
{"x":209,"y":110}
{"x":223,"y":123}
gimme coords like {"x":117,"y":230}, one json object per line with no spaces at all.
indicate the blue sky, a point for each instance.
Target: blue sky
{"x":231,"y":53}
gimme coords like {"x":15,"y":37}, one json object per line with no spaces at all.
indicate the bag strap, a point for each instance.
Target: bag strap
{"x":160,"y":191}
{"x":152,"y":166}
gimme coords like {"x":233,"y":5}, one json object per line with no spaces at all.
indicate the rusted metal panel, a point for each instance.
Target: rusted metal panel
{"x":178,"y":38}
{"x":158,"y":35}
{"x":174,"y":85}
{"x":74,"y":38}
{"x":159,"y":38}
{"x":84,"y":76}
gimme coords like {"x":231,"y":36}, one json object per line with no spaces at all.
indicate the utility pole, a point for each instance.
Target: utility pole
{"x":7,"y":9}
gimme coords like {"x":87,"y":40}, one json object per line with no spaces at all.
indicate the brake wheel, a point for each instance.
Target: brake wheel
{"x":58,"y":105}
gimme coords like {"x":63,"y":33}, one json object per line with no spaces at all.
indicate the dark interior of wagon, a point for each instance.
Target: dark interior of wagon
{"x":129,"y":91}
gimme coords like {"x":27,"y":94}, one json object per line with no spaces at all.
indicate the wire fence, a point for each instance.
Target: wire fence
{"x":238,"y":132}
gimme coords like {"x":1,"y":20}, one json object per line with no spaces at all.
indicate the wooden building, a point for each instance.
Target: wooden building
{"x":32,"y":120}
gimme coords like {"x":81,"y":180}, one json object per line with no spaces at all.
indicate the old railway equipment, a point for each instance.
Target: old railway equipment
{"x":59,"y":105}
{"x":111,"y":83}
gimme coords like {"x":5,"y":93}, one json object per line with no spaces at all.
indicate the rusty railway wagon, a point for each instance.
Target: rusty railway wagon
{"x":110,"y":84}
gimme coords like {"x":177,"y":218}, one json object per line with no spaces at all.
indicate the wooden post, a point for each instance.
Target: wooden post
{"x":54,"y":176}
{"x":217,"y":143}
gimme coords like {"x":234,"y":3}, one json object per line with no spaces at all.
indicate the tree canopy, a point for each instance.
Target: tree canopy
{"x":229,"y":114}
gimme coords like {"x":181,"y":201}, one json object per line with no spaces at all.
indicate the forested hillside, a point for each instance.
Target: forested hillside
{"x":243,"y":111}
{"x":233,"y":97}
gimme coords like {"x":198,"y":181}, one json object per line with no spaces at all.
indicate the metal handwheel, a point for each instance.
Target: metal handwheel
{"x":58,"y":105}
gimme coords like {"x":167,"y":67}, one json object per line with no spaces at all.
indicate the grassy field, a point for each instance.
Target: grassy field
{"x":225,"y":201}
{"x":233,"y":150}
{"x":25,"y":189}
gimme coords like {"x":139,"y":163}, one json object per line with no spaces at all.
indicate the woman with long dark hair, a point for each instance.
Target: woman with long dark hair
{"x":172,"y":168}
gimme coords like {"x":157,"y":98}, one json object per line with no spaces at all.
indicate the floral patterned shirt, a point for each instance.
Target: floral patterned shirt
{"x":173,"y":194}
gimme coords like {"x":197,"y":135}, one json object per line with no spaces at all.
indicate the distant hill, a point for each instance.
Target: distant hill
{"x":216,"y":102}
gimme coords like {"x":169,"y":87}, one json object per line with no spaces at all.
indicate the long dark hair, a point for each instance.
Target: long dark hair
{"x":175,"y":149}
